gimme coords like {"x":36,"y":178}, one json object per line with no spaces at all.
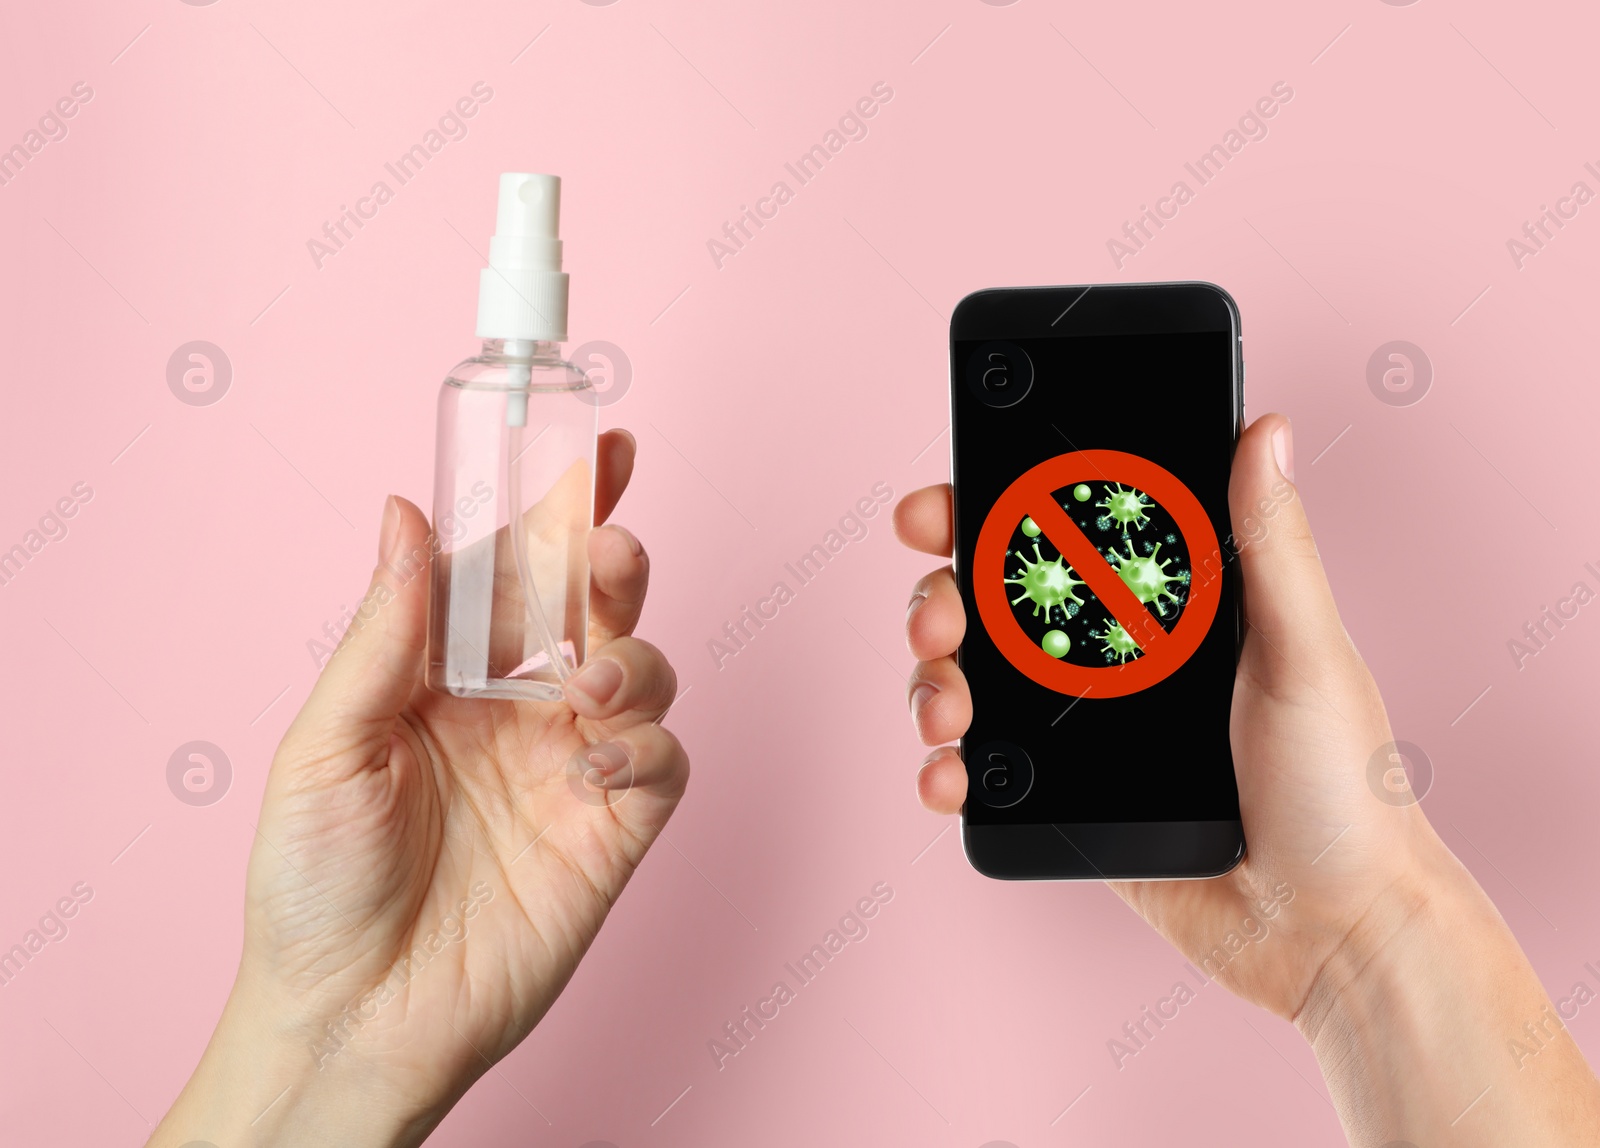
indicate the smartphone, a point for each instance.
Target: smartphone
{"x":1092,"y":435}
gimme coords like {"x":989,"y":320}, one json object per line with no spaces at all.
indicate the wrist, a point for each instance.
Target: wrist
{"x":1431,"y":1026}
{"x":265,"y":1078}
{"x":1430,"y":900}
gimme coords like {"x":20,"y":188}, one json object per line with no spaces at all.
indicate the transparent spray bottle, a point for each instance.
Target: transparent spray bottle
{"x":513,"y":497}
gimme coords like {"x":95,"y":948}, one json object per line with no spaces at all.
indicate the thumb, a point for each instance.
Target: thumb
{"x":378,"y":662}
{"x":1287,"y":600}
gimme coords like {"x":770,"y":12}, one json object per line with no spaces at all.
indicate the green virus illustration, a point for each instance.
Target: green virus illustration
{"x":1126,"y":506}
{"x":1117,"y":642}
{"x":1141,"y":541}
{"x":1147,"y":577}
{"x":1048,"y":585}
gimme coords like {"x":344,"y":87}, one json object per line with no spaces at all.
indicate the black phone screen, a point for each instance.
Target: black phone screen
{"x":1096,"y":454}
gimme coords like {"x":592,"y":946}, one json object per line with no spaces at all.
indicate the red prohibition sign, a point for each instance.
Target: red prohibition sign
{"x":1032,"y":495}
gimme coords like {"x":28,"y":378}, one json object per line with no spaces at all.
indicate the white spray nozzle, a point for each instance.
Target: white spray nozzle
{"x":522,"y":294}
{"x":529,"y":205}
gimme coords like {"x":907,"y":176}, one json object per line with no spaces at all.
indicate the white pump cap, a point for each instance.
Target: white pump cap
{"x":522,"y":294}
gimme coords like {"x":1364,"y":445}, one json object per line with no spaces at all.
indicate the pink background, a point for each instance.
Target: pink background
{"x":768,"y":397}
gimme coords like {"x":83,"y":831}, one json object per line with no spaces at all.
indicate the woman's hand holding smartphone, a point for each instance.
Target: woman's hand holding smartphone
{"x":1306,"y":719}
{"x":1382,"y":949}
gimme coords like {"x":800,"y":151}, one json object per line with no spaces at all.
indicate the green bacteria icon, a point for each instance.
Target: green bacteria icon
{"x":1136,"y":535}
{"x":1048,"y":585}
{"x":1147,"y":577}
{"x":1125,"y":506}
{"x":1117,"y":642}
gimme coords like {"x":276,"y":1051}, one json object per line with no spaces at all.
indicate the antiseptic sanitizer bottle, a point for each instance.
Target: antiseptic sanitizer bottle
{"x":514,"y":478}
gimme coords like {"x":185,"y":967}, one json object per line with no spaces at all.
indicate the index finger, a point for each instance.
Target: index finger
{"x":922,"y":520}
{"x":613,"y":467}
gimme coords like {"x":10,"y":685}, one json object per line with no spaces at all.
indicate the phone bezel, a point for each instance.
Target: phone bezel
{"x":1160,"y":850}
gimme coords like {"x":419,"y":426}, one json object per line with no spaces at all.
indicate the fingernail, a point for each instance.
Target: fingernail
{"x":936,"y":755}
{"x":389,"y":528}
{"x":917,"y":600}
{"x":921,"y":696}
{"x":633,"y":543}
{"x":1283,"y":449}
{"x":597,"y":681}
{"x":602,"y":763}
{"x":633,"y":442}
